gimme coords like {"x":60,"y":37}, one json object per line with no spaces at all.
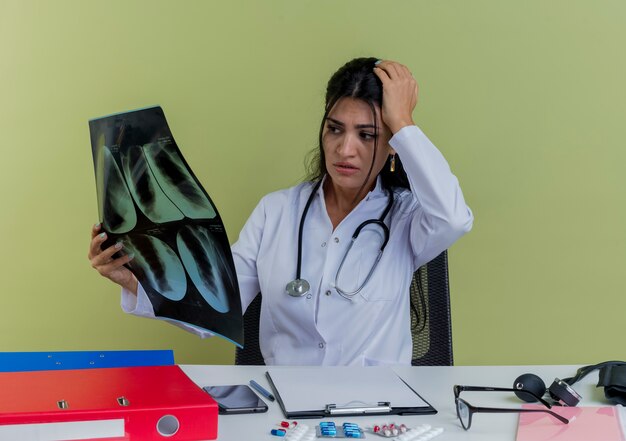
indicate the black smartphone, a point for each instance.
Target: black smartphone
{"x":238,"y":398}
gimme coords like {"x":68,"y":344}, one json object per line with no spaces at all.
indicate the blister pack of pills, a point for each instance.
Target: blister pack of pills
{"x":394,"y":432}
{"x":329,"y":429}
{"x":294,"y":431}
{"x":389,"y":430}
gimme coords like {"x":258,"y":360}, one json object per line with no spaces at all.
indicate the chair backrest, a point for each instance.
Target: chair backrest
{"x":430,"y":319}
{"x":250,"y":354}
{"x":431,"y":325}
{"x":47,"y":361}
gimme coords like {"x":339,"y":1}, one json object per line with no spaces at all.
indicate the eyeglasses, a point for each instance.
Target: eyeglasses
{"x":464,"y":410}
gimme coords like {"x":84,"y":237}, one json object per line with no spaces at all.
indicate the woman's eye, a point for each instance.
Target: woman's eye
{"x":333,"y":129}
{"x":367,"y":136}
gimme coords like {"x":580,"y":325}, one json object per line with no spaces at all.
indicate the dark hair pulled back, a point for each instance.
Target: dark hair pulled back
{"x":355,"y":79}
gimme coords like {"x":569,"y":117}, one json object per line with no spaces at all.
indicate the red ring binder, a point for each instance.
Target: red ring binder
{"x":138,"y":403}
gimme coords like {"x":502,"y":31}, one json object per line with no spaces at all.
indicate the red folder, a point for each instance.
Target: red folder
{"x":136,"y":403}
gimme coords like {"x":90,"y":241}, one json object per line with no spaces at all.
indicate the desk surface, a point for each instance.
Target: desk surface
{"x":433,"y":383}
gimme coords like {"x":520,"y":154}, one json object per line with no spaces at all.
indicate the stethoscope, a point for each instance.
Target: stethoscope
{"x":300,"y":287}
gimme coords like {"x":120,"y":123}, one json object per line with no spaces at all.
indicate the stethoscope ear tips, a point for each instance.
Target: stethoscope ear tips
{"x":297,"y":288}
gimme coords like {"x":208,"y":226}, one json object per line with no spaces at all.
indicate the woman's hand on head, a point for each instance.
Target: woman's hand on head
{"x":108,"y":266}
{"x":399,"y":94}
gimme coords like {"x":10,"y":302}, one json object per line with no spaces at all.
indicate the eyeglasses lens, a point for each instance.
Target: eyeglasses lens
{"x":464,"y":413}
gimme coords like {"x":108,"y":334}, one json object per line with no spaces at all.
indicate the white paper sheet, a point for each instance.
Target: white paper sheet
{"x":309,"y":389}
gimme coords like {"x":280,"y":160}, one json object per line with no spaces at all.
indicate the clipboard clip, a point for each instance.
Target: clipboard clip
{"x":382,"y":407}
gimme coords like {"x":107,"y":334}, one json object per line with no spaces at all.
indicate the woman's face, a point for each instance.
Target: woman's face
{"x":348,"y":141}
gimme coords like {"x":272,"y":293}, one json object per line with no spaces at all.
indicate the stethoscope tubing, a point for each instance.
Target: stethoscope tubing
{"x":300,"y":287}
{"x":301,"y":228}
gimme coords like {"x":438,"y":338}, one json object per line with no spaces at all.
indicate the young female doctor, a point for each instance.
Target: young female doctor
{"x":329,"y":299}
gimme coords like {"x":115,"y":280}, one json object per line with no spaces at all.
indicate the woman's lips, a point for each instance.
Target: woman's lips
{"x":345,"y":168}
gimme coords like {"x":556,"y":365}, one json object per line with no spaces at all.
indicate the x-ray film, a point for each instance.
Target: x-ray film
{"x":149,"y":198}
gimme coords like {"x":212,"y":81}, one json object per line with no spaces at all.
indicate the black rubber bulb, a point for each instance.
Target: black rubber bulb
{"x":531,"y":383}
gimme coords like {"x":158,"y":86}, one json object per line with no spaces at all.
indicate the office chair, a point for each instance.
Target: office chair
{"x":430,"y":319}
{"x":431,"y":324}
{"x":250,"y":354}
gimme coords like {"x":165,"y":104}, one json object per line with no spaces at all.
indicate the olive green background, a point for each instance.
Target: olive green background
{"x":526,"y":99}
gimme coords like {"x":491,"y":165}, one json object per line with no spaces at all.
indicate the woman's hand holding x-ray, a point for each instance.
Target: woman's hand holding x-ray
{"x":108,"y":266}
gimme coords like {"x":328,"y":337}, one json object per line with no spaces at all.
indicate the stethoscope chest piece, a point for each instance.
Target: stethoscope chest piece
{"x":297,"y":288}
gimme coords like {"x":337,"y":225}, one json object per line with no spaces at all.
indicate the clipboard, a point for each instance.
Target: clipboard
{"x":319,"y":392}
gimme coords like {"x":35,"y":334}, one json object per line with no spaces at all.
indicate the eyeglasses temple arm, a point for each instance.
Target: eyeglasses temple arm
{"x":500,"y":410}
{"x":499,"y":389}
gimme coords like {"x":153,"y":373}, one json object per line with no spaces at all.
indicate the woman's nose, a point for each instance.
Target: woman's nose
{"x":347,"y":145}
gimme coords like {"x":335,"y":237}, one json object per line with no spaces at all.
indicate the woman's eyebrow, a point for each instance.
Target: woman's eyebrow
{"x":358,"y":126}
{"x":334,"y":121}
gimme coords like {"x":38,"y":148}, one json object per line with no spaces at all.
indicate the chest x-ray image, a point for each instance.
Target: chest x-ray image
{"x":150,"y":199}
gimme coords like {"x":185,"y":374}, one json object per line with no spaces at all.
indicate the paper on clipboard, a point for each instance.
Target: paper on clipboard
{"x":309,"y":391}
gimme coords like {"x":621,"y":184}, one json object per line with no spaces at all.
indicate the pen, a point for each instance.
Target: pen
{"x":260,"y":389}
